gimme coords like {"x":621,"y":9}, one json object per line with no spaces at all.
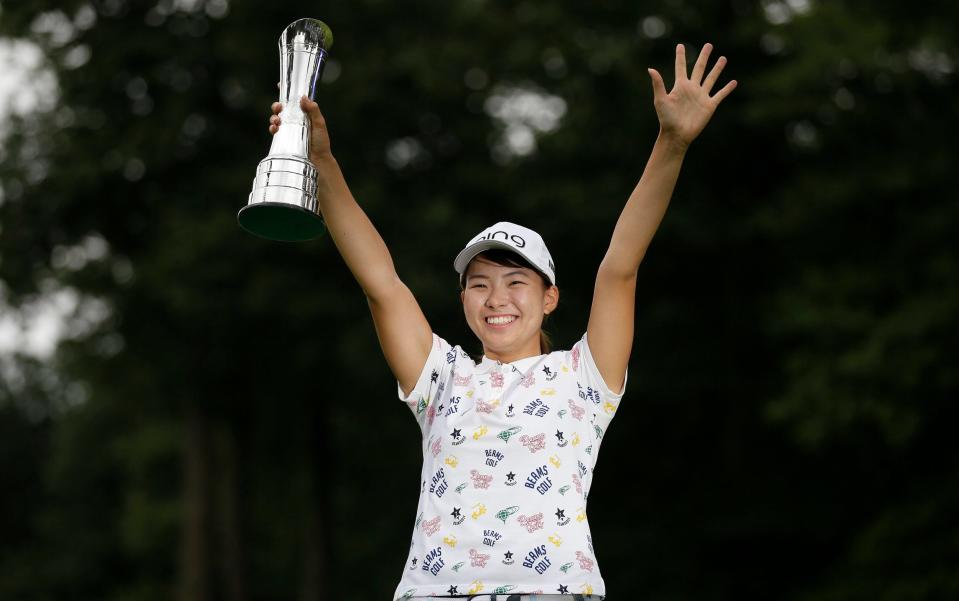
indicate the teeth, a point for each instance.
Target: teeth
{"x":500,"y":320}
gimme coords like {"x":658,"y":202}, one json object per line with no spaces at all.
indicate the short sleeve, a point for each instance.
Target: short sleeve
{"x":592,"y":388}
{"x":431,"y":384}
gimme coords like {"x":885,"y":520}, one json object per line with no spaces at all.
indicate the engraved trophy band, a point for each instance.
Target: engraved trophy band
{"x":283,"y":205}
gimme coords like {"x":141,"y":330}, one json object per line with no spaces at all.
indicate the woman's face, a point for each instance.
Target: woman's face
{"x":504,"y":306}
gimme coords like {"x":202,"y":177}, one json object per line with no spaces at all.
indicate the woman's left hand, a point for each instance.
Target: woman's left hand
{"x":686,"y":109}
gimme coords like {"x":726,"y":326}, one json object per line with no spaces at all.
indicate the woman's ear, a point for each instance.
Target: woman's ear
{"x":550,"y":299}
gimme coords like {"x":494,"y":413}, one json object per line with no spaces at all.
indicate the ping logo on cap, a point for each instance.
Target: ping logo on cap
{"x":516,"y":239}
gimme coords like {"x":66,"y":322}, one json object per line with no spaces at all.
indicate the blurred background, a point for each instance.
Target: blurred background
{"x":188,"y":412}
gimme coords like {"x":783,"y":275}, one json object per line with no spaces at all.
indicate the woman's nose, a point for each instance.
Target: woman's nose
{"x":497,"y":297}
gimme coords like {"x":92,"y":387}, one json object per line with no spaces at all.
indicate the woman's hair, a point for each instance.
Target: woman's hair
{"x":507,"y":258}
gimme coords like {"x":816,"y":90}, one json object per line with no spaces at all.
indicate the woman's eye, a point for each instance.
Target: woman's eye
{"x":516,"y":282}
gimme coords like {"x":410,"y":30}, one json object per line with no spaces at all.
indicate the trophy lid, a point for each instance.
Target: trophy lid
{"x":307,"y":34}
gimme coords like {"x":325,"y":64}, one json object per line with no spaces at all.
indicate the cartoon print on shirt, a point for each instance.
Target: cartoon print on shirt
{"x":503,"y":514}
{"x":477,"y":559}
{"x":532,"y":523}
{"x":509,"y":433}
{"x":550,"y":375}
{"x":480,"y":480}
{"x":430,"y":527}
{"x":528,"y":380}
{"x":484,"y":407}
{"x":578,"y":411}
{"x":534,"y":443}
{"x":585,"y":563}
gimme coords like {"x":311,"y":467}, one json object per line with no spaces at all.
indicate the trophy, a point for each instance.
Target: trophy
{"x":283,"y":205}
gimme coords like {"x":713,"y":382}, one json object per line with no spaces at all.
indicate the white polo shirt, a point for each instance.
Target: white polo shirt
{"x":508,"y":456}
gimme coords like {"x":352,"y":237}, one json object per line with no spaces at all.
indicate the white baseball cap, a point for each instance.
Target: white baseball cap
{"x":509,"y":236}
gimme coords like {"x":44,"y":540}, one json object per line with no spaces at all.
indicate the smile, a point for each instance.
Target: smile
{"x":500,"y":320}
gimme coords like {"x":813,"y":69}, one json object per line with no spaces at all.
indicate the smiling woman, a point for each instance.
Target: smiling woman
{"x":489,"y":425}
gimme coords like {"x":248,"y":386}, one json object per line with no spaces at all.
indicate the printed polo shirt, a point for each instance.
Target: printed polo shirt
{"x":508,"y":457}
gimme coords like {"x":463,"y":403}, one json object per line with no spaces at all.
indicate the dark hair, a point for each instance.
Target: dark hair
{"x":507,"y":258}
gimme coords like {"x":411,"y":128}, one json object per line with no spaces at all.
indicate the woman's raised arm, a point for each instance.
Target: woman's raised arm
{"x":405,"y":335}
{"x":683,"y":112}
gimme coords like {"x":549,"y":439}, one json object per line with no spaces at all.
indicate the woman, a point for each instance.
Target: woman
{"x":509,"y":443}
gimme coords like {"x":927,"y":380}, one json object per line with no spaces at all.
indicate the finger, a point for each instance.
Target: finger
{"x":659,"y":87}
{"x":726,"y":89}
{"x":714,"y":74}
{"x":680,"y":62}
{"x":276,"y":107}
{"x":700,"y":67}
{"x":312,"y":109}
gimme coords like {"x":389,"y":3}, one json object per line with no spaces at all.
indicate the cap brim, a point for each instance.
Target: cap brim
{"x":466,"y":255}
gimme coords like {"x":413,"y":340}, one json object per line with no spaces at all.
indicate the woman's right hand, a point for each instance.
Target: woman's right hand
{"x":319,"y":136}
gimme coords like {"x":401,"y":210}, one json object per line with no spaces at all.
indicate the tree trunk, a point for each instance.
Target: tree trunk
{"x":228,"y":524}
{"x":193,"y":580}
{"x":314,"y":587}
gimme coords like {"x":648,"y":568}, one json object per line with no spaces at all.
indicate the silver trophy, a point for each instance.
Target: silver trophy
{"x":282,"y":205}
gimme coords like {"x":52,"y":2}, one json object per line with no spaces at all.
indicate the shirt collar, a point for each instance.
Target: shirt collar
{"x":523,"y":365}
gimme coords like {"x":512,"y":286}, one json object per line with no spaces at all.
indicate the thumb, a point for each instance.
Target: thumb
{"x":659,"y":88}
{"x":312,"y":110}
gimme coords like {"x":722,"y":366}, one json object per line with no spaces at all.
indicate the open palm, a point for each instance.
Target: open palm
{"x":686,"y":109}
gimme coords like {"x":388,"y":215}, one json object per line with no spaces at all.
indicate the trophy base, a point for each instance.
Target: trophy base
{"x":282,"y":205}
{"x":280,"y":221}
